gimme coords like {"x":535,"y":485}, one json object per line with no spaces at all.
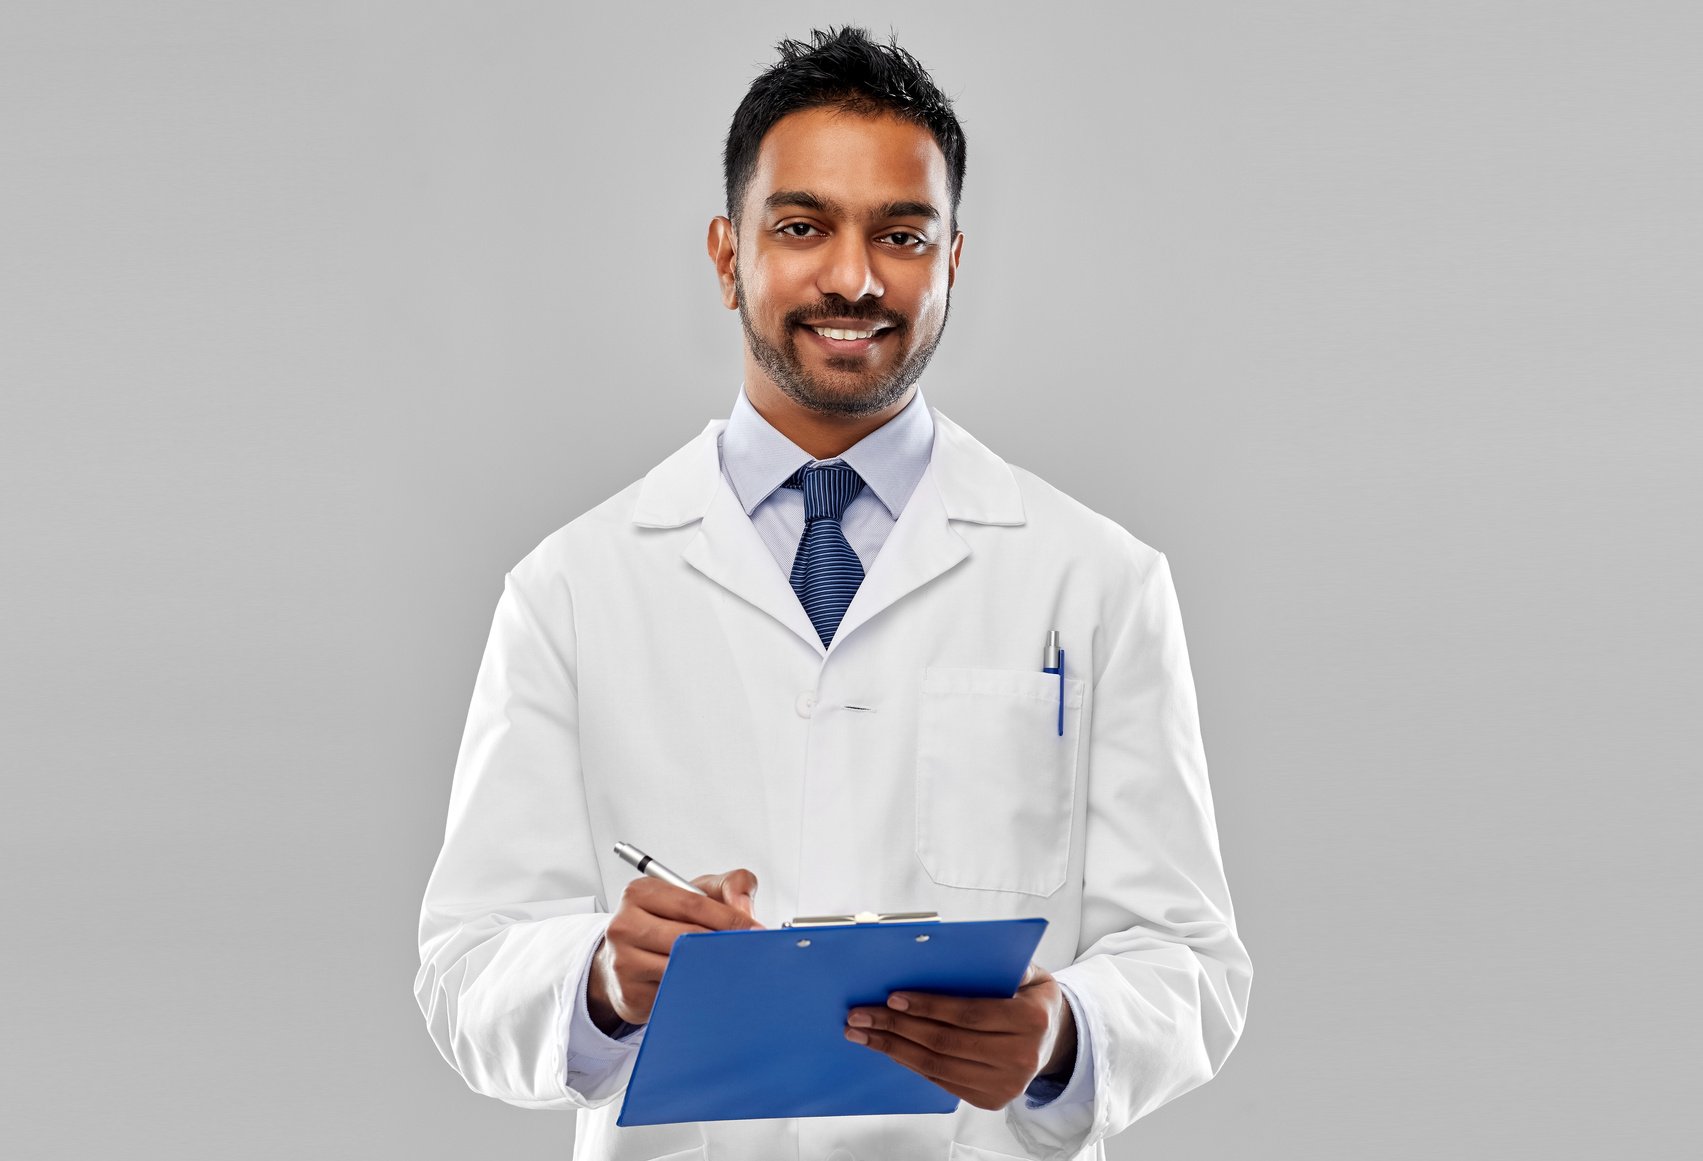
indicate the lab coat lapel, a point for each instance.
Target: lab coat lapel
{"x":921,"y":546}
{"x":727,"y":549}
{"x":963,"y":481}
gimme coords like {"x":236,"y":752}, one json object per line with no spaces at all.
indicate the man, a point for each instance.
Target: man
{"x":808,"y":647}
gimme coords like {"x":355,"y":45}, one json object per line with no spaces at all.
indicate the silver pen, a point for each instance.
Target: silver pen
{"x":649,"y":866}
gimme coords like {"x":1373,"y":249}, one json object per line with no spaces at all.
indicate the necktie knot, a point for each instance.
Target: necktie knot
{"x":826,"y":570}
{"x":827,"y":488}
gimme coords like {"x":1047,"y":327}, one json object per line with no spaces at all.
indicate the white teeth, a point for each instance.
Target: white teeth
{"x":833,"y":333}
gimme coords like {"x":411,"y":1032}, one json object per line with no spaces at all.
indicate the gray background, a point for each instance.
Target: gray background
{"x":1379,"y":319}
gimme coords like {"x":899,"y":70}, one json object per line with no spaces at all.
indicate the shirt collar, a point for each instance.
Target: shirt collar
{"x":757,"y":458}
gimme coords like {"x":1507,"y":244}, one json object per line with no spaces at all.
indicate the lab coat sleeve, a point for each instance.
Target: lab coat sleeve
{"x":1161,"y":977}
{"x":511,"y":915}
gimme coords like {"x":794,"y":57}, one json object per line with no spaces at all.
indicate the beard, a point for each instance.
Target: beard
{"x":875,"y":391}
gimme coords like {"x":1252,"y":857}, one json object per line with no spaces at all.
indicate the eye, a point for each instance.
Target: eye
{"x":916,"y":239}
{"x":791,"y":225}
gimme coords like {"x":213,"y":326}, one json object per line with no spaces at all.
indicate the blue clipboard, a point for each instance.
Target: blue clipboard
{"x":751,"y":1024}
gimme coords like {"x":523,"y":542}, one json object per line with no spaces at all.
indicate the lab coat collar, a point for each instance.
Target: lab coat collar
{"x":964,"y":481}
{"x":890,"y":460}
{"x":974,"y":484}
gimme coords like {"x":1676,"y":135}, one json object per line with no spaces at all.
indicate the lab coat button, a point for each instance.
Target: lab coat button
{"x":806,"y":703}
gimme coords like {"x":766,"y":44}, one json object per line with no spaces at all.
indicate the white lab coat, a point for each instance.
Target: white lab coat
{"x":652,"y":678}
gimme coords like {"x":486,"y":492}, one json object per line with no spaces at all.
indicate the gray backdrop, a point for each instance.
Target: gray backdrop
{"x":1380,"y":320}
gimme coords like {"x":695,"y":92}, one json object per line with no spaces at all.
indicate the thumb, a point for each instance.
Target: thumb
{"x":741,"y":888}
{"x":735,"y":888}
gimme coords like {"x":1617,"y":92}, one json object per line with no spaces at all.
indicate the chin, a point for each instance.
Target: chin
{"x":864,"y":399}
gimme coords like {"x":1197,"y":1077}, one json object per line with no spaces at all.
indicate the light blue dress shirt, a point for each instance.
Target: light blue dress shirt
{"x":756,"y":459}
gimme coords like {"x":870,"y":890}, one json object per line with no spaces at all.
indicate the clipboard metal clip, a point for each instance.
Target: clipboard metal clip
{"x":863,"y":917}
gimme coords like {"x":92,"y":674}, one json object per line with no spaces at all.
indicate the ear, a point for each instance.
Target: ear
{"x":722,"y":245}
{"x":952,"y":261}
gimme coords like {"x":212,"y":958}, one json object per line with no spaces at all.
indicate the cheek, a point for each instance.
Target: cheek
{"x":925,"y":311}
{"x":921,"y":296}
{"x":780,"y":273}
{"x":771,"y":292}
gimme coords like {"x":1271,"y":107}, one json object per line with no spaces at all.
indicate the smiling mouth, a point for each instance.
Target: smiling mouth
{"x":845,"y":339}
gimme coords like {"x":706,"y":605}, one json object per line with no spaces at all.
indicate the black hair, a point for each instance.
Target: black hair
{"x":843,"y":70}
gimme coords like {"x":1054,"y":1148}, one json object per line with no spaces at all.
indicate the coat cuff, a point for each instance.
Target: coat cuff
{"x":1045,"y":1092}
{"x":597,"y":1063}
{"x":1056,"y":1125}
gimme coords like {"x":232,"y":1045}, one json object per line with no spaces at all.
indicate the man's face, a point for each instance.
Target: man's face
{"x":837,"y":225}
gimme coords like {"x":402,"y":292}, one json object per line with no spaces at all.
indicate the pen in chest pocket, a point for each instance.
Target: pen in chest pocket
{"x":1053,"y":662}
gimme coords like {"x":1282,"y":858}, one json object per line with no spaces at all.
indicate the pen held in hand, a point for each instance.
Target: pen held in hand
{"x":649,"y":866}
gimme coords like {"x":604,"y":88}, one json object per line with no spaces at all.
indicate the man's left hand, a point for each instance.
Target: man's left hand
{"x":985,"y":1051}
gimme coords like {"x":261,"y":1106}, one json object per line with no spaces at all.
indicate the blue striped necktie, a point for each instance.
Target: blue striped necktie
{"x":826,"y":571}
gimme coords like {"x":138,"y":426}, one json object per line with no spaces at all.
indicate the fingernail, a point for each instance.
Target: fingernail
{"x":856,"y":1037}
{"x":861,"y":1020}
{"x":898,"y":1002}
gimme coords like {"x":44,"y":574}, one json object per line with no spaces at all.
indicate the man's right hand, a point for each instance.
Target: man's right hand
{"x":628,"y":964}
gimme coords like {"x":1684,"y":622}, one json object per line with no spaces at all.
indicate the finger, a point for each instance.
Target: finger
{"x":735,"y":888}
{"x":1017,"y":1014}
{"x":950,"y":1072}
{"x":636,"y":975}
{"x":646,"y":967}
{"x":657,"y":936}
{"x":666,"y":901}
{"x":639,"y":967}
{"x":1005,"y":1049}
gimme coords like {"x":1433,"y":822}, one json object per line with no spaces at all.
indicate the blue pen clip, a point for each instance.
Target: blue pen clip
{"x":1054,"y":663}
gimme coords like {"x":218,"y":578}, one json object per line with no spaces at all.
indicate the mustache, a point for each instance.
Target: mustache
{"x":850,"y":315}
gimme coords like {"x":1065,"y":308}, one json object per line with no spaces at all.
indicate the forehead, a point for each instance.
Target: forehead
{"x":856,"y":160}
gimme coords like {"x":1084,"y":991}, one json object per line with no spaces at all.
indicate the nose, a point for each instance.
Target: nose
{"x":846,"y":269}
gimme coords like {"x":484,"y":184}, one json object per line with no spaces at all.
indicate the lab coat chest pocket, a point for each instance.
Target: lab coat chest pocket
{"x":996,"y":782}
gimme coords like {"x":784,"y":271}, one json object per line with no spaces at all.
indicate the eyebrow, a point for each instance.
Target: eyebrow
{"x":804,"y":199}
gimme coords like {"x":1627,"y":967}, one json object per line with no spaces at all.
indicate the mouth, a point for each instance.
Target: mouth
{"x":854,"y":341}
